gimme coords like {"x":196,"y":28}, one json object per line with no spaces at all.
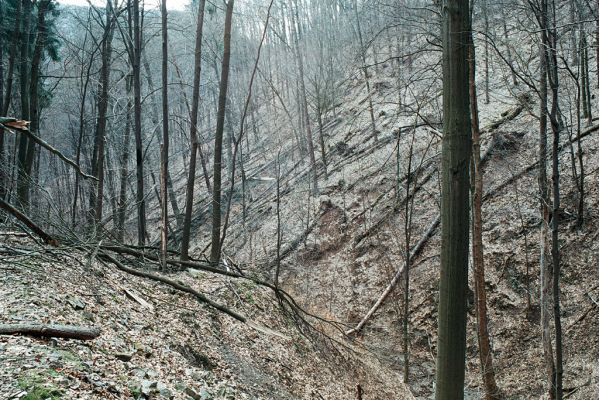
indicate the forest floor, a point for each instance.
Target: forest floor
{"x":156,"y":342}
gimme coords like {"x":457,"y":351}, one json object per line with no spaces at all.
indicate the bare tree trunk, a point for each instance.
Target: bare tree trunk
{"x":409,"y":208}
{"x":366,"y":74}
{"x":24,"y":79}
{"x":2,"y":162}
{"x":156,"y":118}
{"x":218,"y":139}
{"x":556,"y":127}
{"x":597,"y":45}
{"x":485,"y":7}
{"x":295,"y":29}
{"x":484,"y":344}
{"x":544,"y":196}
{"x":140,"y":197}
{"x":508,"y":48}
{"x":122,"y":202}
{"x":97,"y":199}
{"x":587,"y":84}
{"x":7,"y":93}
{"x":195,"y":102}
{"x":85,"y":83}
{"x":165,"y":137}
{"x":456,"y":155}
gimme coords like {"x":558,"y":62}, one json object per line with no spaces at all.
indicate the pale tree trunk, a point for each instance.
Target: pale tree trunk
{"x":556,"y":127}
{"x":295,"y":31}
{"x":140,"y":195}
{"x":122,"y":202}
{"x":84,"y":78}
{"x":544,"y":197}
{"x":456,"y":154}
{"x":409,"y":208}
{"x":365,"y":72}
{"x":165,"y":137}
{"x":218,"y":139}
{"x":195,"y":102}
{"x":155,"y":115}
{"x":484,"y":344}
{"x":485,"y":7}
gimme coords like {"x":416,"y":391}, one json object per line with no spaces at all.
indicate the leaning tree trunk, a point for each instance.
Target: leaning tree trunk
{"x":456,"y":153}
{"x":218,"y":139}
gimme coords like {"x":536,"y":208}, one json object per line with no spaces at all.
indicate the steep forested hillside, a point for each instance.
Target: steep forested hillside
{"x":243,"y":200}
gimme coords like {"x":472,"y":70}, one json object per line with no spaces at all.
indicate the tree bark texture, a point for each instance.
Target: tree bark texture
{"x":218,"y":140}
{"x":456,"y":154}
{"x":195,"y":103}
{"x":43,"y":330}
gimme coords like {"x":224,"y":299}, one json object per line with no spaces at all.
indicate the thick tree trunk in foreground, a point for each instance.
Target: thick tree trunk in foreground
{"x":457,"y":146}
{"x":218,"y":140}
{"x":545,"y":273}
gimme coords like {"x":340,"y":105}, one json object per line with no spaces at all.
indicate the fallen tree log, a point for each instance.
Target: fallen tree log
{"x":29,"y":223}
{"x":179,"y":286}
{"x":429,"y":232}
{"x":58,"y":331}
{"x":415,"y":251}
{"x":23,"y":128}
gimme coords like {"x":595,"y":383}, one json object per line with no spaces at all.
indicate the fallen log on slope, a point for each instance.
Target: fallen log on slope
{"x":415,"y":251}
{"x":28,"y":222}
{"x":44,"y":330}
{"x":201,"y":297}
{"x":23,"y":128}
{"x":429,"y":233}
{"x":179,"y":286}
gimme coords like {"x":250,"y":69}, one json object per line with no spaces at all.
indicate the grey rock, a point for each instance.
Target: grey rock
{"x":148,"y":387}
{"x":76,"y":302}
{"x":164,"y":391}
